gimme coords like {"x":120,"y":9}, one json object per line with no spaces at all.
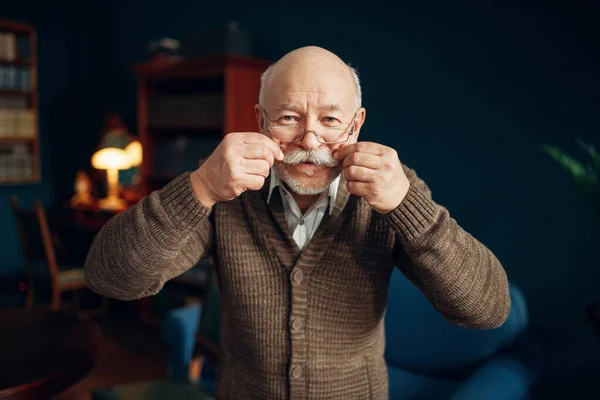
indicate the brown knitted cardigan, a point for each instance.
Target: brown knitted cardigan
{"x":301,"y":324}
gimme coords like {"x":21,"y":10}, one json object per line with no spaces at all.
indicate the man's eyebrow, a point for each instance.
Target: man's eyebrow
{"x":331,"y":107}
{"x":284,"y":105}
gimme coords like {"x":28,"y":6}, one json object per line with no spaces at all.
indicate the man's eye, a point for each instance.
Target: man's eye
{"x":288,"y":119}
{"x":330,"y":120}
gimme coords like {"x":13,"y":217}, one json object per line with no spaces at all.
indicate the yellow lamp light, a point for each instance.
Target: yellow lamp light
{"x":134,"y":152}
{"x":112,"y":159}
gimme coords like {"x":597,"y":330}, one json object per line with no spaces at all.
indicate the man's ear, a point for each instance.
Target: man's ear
{"x":260,"y":117}
{"x":361,"y":115}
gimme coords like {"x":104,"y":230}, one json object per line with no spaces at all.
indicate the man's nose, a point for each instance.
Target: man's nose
{"x":310,"y":141}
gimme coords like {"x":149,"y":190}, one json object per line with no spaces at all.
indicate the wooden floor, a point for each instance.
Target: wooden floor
{"x":128,"y":353}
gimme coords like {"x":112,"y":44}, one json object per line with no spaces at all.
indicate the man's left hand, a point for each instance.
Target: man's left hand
{"x":374,"y":172}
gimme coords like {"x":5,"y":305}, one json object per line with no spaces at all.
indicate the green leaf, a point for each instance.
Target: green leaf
{"x":590,"y":149}
{"x":576,"y":168}
{"x":585,"y":176}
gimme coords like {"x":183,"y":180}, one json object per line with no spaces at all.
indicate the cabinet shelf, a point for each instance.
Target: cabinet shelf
{"x":20,"y":181}
{"x":17,"y":62}
{"x":15,"y":92}
{"x":12,"y":139}
{"x":186,"y":106}
{"x":188,"y":129}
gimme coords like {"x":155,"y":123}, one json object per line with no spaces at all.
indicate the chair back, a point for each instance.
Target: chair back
{"x":30,"y":237}
{"x":36,"y":239}
{"x":419,"y":339}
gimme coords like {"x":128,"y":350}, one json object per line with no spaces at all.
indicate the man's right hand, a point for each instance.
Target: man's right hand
{"x":241,"y":162}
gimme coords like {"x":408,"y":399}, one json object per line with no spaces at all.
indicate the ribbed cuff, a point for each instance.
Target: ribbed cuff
{"x":181,"y":204}
{"x":414,"y":216}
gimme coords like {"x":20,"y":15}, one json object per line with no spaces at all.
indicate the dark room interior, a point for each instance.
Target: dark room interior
{"x":484,"y":99}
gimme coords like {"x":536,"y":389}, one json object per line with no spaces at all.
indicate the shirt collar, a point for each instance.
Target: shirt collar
{"x":275,"y":181}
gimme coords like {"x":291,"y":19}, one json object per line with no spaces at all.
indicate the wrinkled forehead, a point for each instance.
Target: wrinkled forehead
{"x":314,"y":87}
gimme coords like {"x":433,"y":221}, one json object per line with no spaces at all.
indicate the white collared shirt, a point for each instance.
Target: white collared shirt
{"x":303,"y":227}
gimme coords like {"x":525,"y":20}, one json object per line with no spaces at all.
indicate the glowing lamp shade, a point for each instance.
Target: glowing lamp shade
{"x":134,"y":152}
{"x":112,"y":160}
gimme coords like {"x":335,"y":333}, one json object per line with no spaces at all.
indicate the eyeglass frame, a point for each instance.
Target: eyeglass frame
{"x":305,"y":131}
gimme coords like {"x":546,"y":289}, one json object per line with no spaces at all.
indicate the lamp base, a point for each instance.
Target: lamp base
{"x":112,"y":203}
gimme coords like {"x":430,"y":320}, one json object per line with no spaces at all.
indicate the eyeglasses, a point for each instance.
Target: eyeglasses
{"x":292,"y":131}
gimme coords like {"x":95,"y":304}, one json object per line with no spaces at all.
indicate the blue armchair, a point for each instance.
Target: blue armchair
{"x":186,"y":330}
{"x":427,"y":357}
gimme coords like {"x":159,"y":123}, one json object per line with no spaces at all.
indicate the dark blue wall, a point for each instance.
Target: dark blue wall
{"x":465,"y":94}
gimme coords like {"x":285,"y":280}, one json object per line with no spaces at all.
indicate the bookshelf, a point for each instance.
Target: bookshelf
{"x":186,"y":106}
{"x":19,"y":140}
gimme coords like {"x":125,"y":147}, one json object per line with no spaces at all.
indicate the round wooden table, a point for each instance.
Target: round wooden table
{"x":44,"y":353}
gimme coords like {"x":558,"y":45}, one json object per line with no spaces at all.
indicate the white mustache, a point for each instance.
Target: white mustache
{"x":320,"y":157}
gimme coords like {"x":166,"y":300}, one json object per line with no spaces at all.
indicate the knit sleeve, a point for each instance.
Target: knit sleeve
{"x":461,"y":277}
{"x":157,"y":239}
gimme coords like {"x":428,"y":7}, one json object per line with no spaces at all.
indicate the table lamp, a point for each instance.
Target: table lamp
{"x":134,"y":152}
{"x":112,"y":159}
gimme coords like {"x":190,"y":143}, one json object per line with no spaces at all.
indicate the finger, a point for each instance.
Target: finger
{"x":258,"y":152}
{"x":256,"y":167}
{"x":358,"y":188}
{"x":259,"y":138}
{"x":343,"y":151}
{"x":363,"y":160}
{"x":362,"y":147}
{"x":361,"y":174}
{"x":254,"y":182}
{"x":337,"y":147}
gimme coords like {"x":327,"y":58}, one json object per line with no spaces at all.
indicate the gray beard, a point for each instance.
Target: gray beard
{"x":299,"y":188}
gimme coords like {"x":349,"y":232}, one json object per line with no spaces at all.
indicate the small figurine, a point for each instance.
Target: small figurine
{"x":83,"y":188}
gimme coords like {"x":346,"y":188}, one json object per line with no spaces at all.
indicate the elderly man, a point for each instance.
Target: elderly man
{"x":306,"y":225}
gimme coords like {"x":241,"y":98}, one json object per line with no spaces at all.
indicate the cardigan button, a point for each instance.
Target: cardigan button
{"x":297,"y":324}
{"x":298,"y":276}
{"x":296,"y":372}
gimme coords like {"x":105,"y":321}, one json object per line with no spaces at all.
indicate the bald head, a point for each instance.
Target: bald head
{"x":311,"y":69}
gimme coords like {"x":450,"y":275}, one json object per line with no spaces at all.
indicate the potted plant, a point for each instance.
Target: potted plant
{"x":585,"y":174}
{"x":586,"y":177}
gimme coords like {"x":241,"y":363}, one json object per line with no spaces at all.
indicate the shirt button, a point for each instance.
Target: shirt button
{"x":297,"y":324}
{"x":296,"y":372}
{"x":301,"y":222}
{"x":298,"y":276}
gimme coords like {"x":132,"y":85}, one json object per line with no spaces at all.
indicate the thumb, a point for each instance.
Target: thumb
{"x":335,"y":150}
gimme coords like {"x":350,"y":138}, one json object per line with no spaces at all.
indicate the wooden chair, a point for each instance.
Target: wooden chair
{"x":39,"y":252}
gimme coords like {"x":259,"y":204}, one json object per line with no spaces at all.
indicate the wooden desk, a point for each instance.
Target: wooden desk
{"x":83,"y":222}
{"x":89,"y":217}
{"x":44,"y":353}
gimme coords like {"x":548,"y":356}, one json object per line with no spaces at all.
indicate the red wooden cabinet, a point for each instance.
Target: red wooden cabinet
{"x":186,"y":106}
